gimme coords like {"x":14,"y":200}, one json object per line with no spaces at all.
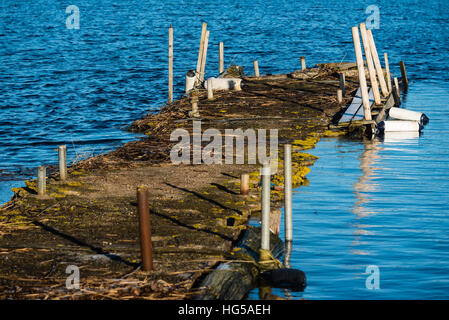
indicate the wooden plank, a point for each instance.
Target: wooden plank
{"x":355,"y":111}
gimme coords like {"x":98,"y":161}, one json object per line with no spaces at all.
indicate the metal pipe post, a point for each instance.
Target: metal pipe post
{"x":266,"y":190}
{"x":62,"y":152}
{"x":145,"y":228}
{"x":288,"y":192}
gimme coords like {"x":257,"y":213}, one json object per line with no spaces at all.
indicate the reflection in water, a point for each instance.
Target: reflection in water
{"x":288,"y":252}
{"x":365,"y":187}
{"x":393,"y":137}
{"x":364,"y":184}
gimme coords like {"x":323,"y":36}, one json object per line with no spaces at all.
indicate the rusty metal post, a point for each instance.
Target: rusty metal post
{"x":146,"y":246}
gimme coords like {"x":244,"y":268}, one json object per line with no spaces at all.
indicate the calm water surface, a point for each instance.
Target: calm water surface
{"x":382,"y":203}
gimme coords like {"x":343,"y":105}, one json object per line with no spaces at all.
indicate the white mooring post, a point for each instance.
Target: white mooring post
{"x":256,"y":68}
{"x":62,"y":152}
{"x":266,"y":191}
{"x":221,"y":58}
{"x":288,"y":192}
{"x":170,"y":64}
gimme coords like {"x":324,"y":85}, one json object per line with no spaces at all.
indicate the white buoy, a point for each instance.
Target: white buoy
{"x":225,"y":83}
{"x":403,"y":114}
{"x":398,"y":125}
{"x":190,"y":80}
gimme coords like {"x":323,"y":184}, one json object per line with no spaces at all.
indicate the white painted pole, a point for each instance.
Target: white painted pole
{"x":170,"y":64}
{"x":256,"y":68}
{"x":221,"y":58}
{"x":387,"y":69}
{"x":266,"y":190}
{"x":361,"y":72}
{"x":204,"y":56}
{"x":380,"y":73}
{"x":370,"y":64}
{"x":288,"y":192}
{"x":190,"y":81}
{"x":62,"y":152}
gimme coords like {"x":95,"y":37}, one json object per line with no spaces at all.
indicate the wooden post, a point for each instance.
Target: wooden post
{"x":339,"y":96}
{"x":170,"y":64}
{"x":288,"y":192}
{"x":41,"y":180}
{"x":370,"y":64}
{"x":210,"y":92}
{"x":221,"y":58}
{"x":403,"y":74}
{"x":387,"y":69}
{"x":256,"y":68}
{"x":203,"y":58}
{"x":342,"y":79}
{"x":200,"y":52}
{"x":380,"y":73}
{"x":145,"y":229}
{"x":361,"y":72}
{"x":303,"y":63}
{"x":395,"y":93}
{"x":266,"y":190}
{"x":244,"y":184}
{"x":396,"y":84}
{"x":62,"y":152}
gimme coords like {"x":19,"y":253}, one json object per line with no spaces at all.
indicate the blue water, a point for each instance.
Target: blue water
{"x":382,"y":203}
{"x":81,"y":87}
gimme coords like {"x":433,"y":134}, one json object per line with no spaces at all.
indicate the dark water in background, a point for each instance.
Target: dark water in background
{"x":80,"y":87}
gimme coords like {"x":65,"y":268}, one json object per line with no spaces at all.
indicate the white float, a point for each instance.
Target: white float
{"x":403,"y":114}
{"x":399,"y":125}
{"x":225,"y":83}
{"x":190,"y":80}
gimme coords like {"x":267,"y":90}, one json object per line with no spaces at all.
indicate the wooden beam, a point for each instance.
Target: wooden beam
{"x":361,"y":72}
{"x":370,"y":64}
{"x":380,"y":73}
